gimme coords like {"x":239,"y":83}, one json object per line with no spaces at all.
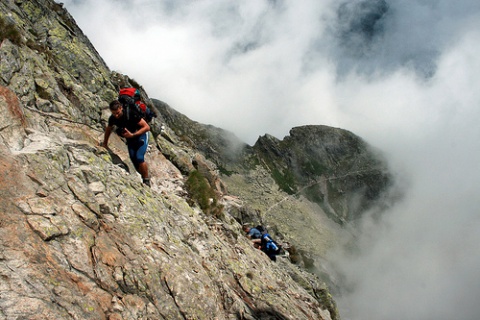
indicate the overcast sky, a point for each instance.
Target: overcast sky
{"x":403,"y":75}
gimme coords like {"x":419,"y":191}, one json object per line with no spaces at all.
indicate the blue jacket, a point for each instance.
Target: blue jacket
{"x":254,"y":233}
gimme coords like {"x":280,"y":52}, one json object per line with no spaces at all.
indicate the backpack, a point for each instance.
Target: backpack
{"x":261,"y":229}
{"x":270,"y":246}
{"x":130,"y":100}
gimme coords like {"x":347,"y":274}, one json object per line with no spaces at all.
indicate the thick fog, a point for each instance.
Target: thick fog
{"x":403,"y":75}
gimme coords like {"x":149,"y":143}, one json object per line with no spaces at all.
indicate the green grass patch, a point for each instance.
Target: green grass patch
{"x":285,"y":180}
{"x":225,"y":171}
{"x":314,"y":167}
{"x":200,"y":192}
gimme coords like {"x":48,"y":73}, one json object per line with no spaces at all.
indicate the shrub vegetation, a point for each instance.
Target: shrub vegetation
{"x":200,"y":192}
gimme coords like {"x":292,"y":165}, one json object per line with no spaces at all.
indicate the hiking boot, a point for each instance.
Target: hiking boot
{"x":146,"y":182}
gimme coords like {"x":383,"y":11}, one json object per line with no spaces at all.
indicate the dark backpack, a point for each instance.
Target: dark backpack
{"x":131,"y":102}
{"x":261,"y":229}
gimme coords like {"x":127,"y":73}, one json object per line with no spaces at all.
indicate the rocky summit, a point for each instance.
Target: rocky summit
{"x":83,"y":238}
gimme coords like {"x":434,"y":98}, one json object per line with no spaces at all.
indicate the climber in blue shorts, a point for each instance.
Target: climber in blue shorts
{"x":135,"y":130}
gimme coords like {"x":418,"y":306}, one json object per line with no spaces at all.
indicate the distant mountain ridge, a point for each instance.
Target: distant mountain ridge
{"x":330,"y":166}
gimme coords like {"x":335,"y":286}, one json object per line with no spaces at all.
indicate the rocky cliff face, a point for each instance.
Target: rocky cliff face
{"x":81,"y":237}
{"x":331,"y":167}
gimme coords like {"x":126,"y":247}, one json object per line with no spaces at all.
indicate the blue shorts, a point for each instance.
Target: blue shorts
{"x":137,"y":147}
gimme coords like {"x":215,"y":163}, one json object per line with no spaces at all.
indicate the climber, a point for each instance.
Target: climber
{"x":135,"y":130}
{"x":263,"y":241}
{"x":254,"y":234}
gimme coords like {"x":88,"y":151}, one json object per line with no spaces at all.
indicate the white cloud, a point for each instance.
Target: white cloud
{"x":421,"y":264}
{"x":407,"y":83}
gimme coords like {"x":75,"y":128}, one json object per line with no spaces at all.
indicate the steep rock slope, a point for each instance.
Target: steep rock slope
{"x":81,"y":237}
{"x":218,"y":145}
